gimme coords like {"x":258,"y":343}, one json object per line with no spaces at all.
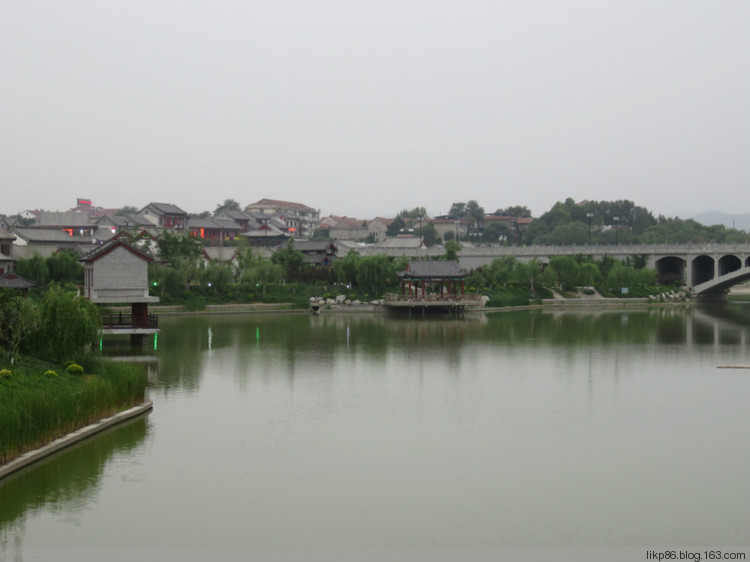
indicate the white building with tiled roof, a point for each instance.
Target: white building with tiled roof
{"x":300,"y":219}
{"x":165,"y":215}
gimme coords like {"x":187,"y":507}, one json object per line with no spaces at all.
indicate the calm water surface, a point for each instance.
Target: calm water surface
{"x":564,"y":428}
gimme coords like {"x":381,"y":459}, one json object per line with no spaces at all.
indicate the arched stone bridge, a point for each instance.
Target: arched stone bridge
{"x":709,"y":270}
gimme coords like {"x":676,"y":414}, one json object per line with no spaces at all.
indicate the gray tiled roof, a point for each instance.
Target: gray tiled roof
{"x":110,"y":245}
{"x":67,"y":219}
{"x":166,"y":208}
{"x":45,"y":235}
{"x":313,"y":245}
{"x":13,"y":281}
{"x":427,"y":269}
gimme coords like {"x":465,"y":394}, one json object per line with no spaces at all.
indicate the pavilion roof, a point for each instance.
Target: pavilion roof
{"x":427,"y":269}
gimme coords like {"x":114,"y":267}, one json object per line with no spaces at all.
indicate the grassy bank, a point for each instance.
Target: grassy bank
{"x":40,"y":401}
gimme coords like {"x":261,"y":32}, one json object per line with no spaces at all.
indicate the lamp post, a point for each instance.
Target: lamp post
{"x":420,"y":217}
{"x":457,"y":221}
{"x":590,"y":216}
{"x":616,"y":220}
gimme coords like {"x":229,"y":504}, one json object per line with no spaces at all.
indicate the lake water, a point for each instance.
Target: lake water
{"x":543,"y":428}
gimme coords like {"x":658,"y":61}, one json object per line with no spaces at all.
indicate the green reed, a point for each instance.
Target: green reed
{"x":39,"y":403}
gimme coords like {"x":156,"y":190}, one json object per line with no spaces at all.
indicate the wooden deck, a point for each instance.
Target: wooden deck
{"x":126,"y":323}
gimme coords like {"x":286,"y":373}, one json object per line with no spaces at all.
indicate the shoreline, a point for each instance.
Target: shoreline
{"x":66,"y":441}
{"x":31,"y":457}
{"x":242,"y":308}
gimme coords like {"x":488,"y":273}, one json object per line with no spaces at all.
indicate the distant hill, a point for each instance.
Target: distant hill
{"x":740,"y":222}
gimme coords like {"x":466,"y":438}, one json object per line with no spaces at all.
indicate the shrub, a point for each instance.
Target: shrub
{"x":51,"y":374}
{"x":5,"y":373}
{"x":74,"y":369}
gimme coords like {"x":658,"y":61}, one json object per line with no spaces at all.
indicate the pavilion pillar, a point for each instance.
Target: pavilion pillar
{"x":139,"y":312}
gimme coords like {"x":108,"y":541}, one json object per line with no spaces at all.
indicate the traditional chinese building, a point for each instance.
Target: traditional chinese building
{"x":116,"y":273}
{"x":432,"y":286}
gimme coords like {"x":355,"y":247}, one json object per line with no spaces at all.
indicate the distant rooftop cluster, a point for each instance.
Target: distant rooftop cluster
{"x":266,"y":223}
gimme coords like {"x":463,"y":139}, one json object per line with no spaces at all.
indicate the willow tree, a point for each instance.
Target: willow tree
{"x":19,"y":318}
{"x":69,"y":322}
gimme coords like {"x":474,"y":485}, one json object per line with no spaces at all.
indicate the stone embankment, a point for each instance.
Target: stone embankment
{"x":671,"y":296}
{"x":341,"y":303}
{"x":589,"y":296}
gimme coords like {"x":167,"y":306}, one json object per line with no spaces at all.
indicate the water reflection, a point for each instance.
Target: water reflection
{"x":65,"y":483}
{"x":289,"y":343}
{"x":546,"y":426}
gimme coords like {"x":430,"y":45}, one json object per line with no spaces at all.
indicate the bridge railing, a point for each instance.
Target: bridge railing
{"x":471,"y":250}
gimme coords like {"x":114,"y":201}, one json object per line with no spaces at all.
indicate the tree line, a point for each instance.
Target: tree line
{"x":571,"y":223}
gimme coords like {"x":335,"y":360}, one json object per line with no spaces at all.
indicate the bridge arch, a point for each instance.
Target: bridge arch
{"x":702,"y":269}
{"x":729,"y":263}
{"x":670,"y":270}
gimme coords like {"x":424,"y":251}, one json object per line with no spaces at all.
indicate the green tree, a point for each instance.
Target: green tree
{"x":345,"y":269}
{"x":414,"y":213}
{"x":451,"y":250}
{"x":565,"y":270}
{"x":530,"y":273}
{"x":429,"y":233}
{"x":375,"y":273}
{"x":262,"y":273}
{"x":166,"y":282}
{"x":503,"y":271}
{"x":64,"y":267}
{"x":637,"y":261}
{"x":216,"y":278}
{"x":127,"y":210}
{"x":589,"y":274}
{"x":619,"y":276}
{"x":395,"y":227}
{"x":569,"y":233}
{"x":69,"y":322}
{"x":289,"y":259}
{"x":495,"y":232}
{"x":458,"y":210}
{"x":34,"y":268}
{"x":515,"y":211}
{"x":605,"y":265}
{"x":474,"y":212}
{"x":245,"y":258}
{"x":178,"y":249}
{"x":227,"y":205}
{"x":19,"y":319}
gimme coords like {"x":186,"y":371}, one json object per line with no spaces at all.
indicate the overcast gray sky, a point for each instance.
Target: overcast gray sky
{"x":367,"y":108}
